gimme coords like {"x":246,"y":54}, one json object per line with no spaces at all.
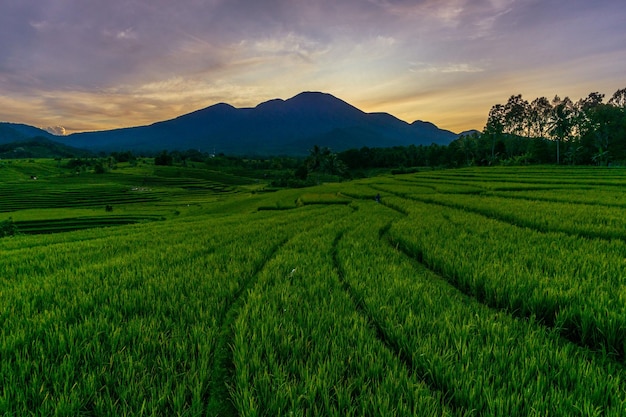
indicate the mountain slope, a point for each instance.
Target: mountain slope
{"x":274,"y":127}
{"x":40,"y":147}
{"x":15,"y":132}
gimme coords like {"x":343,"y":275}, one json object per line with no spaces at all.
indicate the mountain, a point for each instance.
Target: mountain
{"x":289,"y":127}
{"x":15,"y":132}
{"x":470,"y":132}
{"x":39,"y":147}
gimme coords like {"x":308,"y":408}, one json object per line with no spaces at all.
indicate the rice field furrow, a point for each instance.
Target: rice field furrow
{"x":361,"y":307}
{"x":447,"y":297}
{"x":525,"y":272}
{"x":302,"y":349}
{"x":391,"y":343}
{"x":222,"y":368}
{"x":485,"y":361}
{"x":575,"y":219}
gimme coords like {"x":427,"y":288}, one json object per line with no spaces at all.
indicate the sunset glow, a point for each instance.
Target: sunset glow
{"x":80,"y":65}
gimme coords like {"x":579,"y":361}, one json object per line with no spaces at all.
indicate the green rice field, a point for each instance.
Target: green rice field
{"x":171,"y":291}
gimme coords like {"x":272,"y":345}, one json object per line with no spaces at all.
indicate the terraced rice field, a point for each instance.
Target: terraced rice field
{"x":465,"y":293}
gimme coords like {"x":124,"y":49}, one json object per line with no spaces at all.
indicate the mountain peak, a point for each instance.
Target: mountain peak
{"x":273,"y":127}
{"x":316,"y":97}
{"x":323,"y":103}
{"x":313,"y":95}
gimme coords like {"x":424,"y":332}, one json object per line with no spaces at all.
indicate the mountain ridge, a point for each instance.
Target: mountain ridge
{"x":277,"y":126}
{"x":18,"y":132}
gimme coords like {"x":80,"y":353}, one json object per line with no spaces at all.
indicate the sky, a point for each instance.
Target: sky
{"x":80,"y":65}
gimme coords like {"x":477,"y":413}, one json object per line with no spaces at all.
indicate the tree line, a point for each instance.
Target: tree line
{"x":542,"y":131}
{"x":588,"y":131}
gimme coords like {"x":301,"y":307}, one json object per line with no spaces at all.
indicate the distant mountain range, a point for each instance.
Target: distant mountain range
{"x":275,"y":127}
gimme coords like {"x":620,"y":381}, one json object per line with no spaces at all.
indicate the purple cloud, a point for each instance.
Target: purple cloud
{"x":93,"y":64}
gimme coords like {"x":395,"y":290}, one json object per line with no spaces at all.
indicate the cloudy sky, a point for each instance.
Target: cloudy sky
{"x":92,"y":64}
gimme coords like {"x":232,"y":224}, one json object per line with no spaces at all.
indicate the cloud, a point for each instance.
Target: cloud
{"x":56,"y":130}
{"x":445,"y":69}
{"x":125,"y":34}
{"x":385,"y":41}
{"x":288,"y":44}
{"x":40,"y":26}
{"x":91,"y":65}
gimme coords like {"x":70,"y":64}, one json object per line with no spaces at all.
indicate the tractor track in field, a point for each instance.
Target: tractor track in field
{"x":381,"y":334}
{"x":361,"y":307}
{"x":507,"y":219}
{"x":383,"y":202}
{"x":548,"y":320}
{"x":222,"y":367}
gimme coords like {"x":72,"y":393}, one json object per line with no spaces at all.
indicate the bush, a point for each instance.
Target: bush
{"x":8,"y":228}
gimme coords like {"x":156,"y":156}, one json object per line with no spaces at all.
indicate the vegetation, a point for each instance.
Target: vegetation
{"x":183,"y":290}
{"x":543,"y":131}
{"x":586,"y":132}
{"x":8,"y":228}
{"x":38,"y":147}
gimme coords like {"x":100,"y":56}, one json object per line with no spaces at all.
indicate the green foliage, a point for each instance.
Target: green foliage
{"x":8,"y":228}
{"x":323,"y":160}
{"x":163,"y":158}
{"x":585,"y":132}
{"x":39,"y":147}
{"x":480,"y":291}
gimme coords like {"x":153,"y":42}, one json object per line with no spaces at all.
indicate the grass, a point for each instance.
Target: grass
{"x":464,"y":292}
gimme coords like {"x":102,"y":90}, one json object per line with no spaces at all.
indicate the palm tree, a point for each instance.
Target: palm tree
{"x":316,"y":158}
{"x":560,"y":125}
{"x":333,"y":165}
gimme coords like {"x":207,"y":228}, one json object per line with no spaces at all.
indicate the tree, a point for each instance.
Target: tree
{"x":539,"y":116}
{"x":588,"y":131}
{"x":495,"y":126}
{"x":163,"y":158}
{"x":619,"y":99}
{"x":323,"y":160}
{"x":301,"y":172}
{"x":333,"y":165}
{"x":316,"y":157}
{"x":99,"y":168}
{"x":560,"y":125}
{"x":516,"y":115}
{"x":601,"y":157}
{"x":8,"y":228}
{"x":468,"y":145}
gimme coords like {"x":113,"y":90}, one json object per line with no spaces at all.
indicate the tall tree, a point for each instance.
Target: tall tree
{"x":333,"y":165}
{"x":586,"y":124}
{"x":619,"y":99}
{"x":316,"y":158}
{"x":467,"y":146}
{"x":496,"y":122}
{"x":560,"y":125}
{"x":516,"y":115}
{"x":539,"y":117}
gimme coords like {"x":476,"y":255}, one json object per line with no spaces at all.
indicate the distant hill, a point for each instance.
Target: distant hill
{"x":289,"y":127}
{"x":39,"y":147}
{"x":470,"y":132}
{"x":14,"y":132}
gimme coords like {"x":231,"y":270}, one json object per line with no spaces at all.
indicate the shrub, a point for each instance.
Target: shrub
{"x":8,"y":228}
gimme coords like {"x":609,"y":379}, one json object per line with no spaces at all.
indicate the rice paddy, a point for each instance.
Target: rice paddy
{"x":470,"y":292}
